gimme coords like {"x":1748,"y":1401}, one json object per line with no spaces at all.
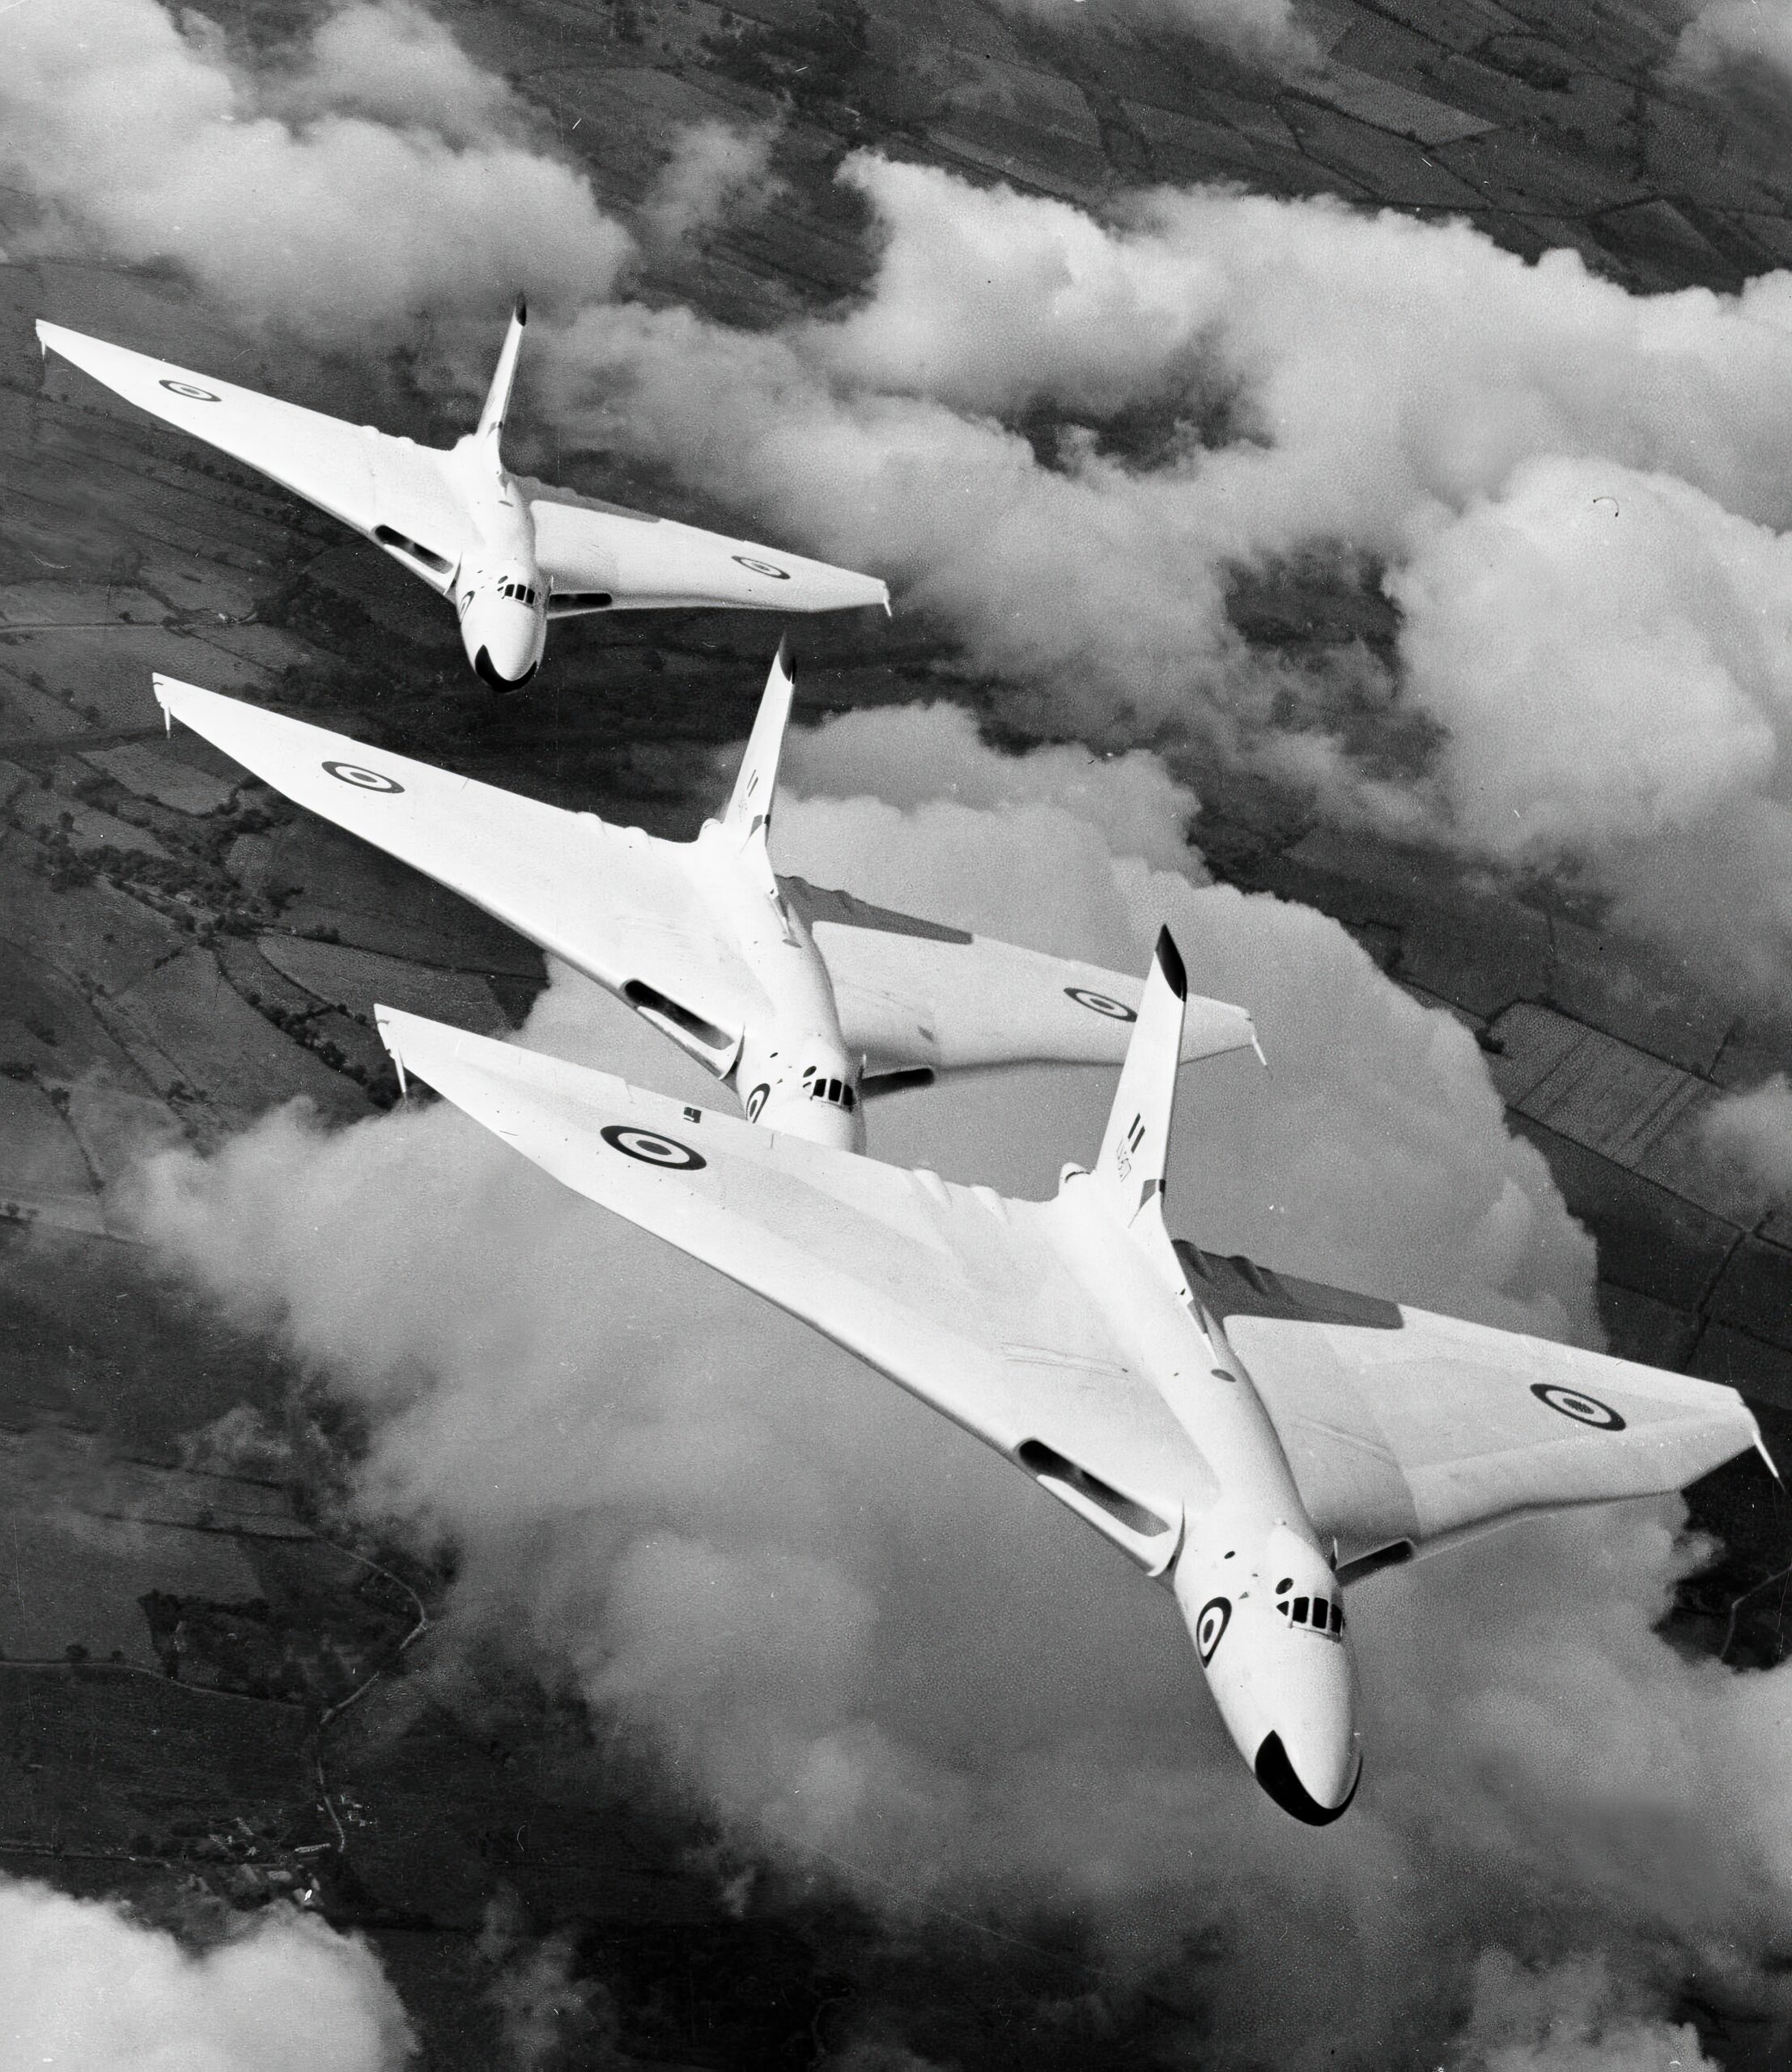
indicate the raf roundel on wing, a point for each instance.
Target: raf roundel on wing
{"x":1583,"y":1409}
{"x":363,"y":780}
{"x":1100,"y":1003}
{"x":653,"y":1149}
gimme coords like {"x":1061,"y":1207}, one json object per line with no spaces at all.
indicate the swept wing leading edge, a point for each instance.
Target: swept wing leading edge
{"x":1399,"y":1426}
{"x":957,"y":1296}
{"x":367,"y":478}
{"x":413,"y":500}
{"x":621,"y":907}
{"x":534,"y":866}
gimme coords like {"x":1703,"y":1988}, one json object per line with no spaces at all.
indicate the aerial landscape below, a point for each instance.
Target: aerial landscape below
{"x":1331,"y":465}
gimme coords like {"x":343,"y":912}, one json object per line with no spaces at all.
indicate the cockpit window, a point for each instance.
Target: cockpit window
{"x":1320,"y":1614}
{"x":835,"y":1091}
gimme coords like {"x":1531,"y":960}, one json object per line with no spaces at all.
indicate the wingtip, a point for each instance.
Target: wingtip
{"x":520,"y":312}
{"x":1169,"y":962}
{"x":1772,"y":1465}
{"x":784,"y":660}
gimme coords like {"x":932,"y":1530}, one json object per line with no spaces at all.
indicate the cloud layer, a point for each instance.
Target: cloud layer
{"x":1065,"y":437}
{"x":853,"y":1631}
{"x":341,"y":188}
{"x":82,"y":1984}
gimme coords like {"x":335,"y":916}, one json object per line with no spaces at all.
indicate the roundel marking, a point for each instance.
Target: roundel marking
{"x":1210,"y":1627}
{"x":763,"y":568}
{"x":1583,"y":1409}
{"x":756,"y":1100}
{"x":1100,"y":1003}
{"x":363,"y":780}
{"x":652,"y":1150}
{"x":186,"y":388}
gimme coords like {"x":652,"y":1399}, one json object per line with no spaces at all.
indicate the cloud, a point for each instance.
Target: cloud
{"x":1753,"y":1132}
{"x":1565,"y":2019}
{"x":909,"y":756}
{"x":82,"y":1984}
{"x":854,"y":1632}
{"x":1064,"y":436}
{"x":1728,"y":37}
{"x":715,"y":169}
{"x":1606,"y":651}
{"x":339,"y":189}
{"x":544,"y":2011}
{"x":1067,"y":436}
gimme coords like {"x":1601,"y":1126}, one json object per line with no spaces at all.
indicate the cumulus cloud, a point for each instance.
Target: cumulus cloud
{"x":715,"y":168}
{"x":1568,"y":2017}
{"x":1753,"y":1131}
{"x":1726,"y":37}
{"x":1066,"y":434}
{"x":1606,"y":652}
{"x":910,"y":756}
{"x":340,"y":189}
{"x":1064,"y":437}
{"x":82,"y":1984}
{"x":801,"y":1586}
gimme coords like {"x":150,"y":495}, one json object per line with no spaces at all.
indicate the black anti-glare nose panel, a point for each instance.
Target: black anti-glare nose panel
{"x":1276,"y":1774}
{"x":482,"y":667}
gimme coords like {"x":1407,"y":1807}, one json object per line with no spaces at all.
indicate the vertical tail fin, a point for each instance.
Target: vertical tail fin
{"x":748,"y":811}
{"x":1135,"y":1149}
{"x":491,"y":417}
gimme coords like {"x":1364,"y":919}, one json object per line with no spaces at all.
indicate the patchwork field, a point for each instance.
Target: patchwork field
{"x":179,"y":951}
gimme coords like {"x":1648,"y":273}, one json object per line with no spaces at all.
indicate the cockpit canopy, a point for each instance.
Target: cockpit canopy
{"x":835,"y":1092}
{"x":1318,"y":1615}
{"x":524,"y":593}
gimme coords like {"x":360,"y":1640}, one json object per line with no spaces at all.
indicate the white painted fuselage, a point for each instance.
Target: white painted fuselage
{"x":1248,"y":1559}
{"x":793,"y":1071}
{"x":500,"y":594}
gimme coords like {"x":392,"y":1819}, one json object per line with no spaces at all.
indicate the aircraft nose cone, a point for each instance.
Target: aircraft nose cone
{"x":1320,"y":1788}
{"x":511,"y":644}
{"x":504,"y":672}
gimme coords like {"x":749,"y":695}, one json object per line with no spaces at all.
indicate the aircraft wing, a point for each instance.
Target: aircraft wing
{"x":915,"y":994}
{"x":529,"y":865}
{"x":1408,"y":1429}
{"x":601,"y":557}
{"x":952,"y":1292}
{"x":391,"y":490}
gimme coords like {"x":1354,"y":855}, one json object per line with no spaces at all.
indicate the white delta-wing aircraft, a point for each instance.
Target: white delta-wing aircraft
{"x":1252,"y":1440}
{"x":803,"y":1001}
{"x":510,"y":553}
